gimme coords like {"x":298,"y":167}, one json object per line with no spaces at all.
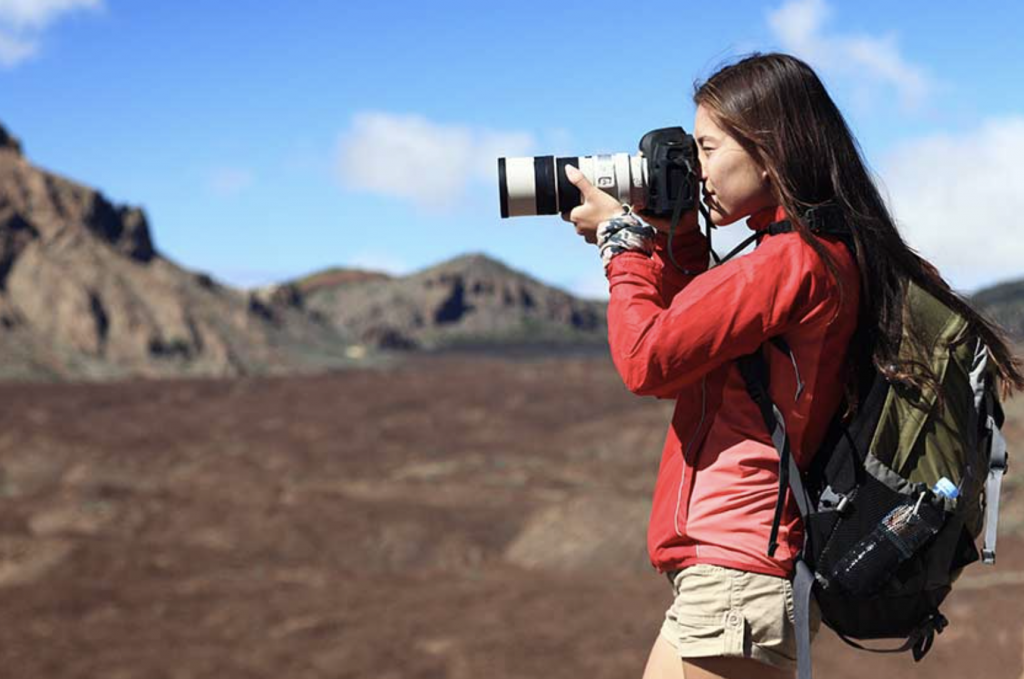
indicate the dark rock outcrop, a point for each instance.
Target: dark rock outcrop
{"x":85,"y":293}
{"x":9,"y":143}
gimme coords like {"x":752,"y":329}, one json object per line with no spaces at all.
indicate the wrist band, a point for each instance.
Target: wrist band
{"x":625,"y":233}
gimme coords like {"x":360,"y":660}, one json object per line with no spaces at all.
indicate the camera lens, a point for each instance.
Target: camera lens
{"x":538,"y":185}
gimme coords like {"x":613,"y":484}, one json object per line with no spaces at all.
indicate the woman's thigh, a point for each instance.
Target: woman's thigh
{"x":665,"y":663}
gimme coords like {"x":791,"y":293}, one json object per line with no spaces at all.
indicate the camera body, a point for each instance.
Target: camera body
{"x":673,"y":171}
{"x":663,"y":177}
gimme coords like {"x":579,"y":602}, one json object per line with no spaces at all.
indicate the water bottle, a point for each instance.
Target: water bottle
{"x":871,"y":562}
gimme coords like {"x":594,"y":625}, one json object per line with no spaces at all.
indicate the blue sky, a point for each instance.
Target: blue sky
{"x":267,"y":140}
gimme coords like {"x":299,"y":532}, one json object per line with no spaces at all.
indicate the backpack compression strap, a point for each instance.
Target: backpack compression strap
{"x":997,"y":463}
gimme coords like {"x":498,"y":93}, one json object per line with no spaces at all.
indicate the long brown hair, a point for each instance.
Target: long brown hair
{"x":776,"y":107}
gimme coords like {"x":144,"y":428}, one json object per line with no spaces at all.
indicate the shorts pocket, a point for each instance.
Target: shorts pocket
{"x":702,"y":596}
{"x":698,"y":629}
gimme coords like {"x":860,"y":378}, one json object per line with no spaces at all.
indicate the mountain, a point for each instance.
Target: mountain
{"x":85,"y":293}
{"x":469,"y":300}
{"x":1004,"y":303}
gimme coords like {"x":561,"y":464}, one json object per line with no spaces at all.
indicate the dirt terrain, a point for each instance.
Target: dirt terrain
{"x":438,"y":517}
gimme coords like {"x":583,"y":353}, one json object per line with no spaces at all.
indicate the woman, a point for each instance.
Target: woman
{"x":772,"y":145}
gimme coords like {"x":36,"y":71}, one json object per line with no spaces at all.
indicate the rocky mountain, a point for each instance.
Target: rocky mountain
{"x":1004,"y":303}
{"x":84,"y":293}
{"x":470,"y":300}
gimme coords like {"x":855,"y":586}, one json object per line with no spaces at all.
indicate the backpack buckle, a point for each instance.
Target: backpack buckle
{"x":844,"y":502}
{"x":837,"y":502}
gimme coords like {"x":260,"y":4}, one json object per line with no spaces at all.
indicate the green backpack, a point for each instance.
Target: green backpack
{"x":895,"y":499}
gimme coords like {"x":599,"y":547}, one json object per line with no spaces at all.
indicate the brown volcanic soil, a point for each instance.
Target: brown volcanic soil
{"x":442,"y":517}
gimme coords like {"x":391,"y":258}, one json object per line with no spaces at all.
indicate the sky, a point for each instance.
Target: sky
{"x":267,"y":140}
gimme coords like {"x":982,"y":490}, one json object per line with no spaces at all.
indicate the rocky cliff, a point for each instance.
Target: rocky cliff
{"x":84,"y":293}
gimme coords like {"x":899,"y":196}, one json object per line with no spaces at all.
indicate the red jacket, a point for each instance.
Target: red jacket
{"x":675,"y":336}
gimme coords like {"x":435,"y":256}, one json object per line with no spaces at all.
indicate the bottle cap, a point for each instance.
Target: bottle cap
{"x":946,"y":488}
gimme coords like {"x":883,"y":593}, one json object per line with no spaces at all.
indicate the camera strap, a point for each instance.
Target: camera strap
{"x":824,"y":220}
{"x":677,"y":214}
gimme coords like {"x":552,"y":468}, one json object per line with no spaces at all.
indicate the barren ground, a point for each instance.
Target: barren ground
{"x":442,"y":517}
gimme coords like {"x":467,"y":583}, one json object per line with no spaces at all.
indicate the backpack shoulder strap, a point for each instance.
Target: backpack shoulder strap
{"x":824,"y":220}
{"x":997,"y":464}
{"x":754,"y":369}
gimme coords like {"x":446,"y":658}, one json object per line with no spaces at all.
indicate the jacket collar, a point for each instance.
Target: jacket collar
{"x":760,"y":220}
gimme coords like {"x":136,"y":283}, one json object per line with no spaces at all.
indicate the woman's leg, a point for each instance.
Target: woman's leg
{"x":663,"y":663}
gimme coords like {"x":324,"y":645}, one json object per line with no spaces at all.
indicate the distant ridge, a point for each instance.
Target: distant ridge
{"x":1004,"y":303}
{"x":470,"y":299}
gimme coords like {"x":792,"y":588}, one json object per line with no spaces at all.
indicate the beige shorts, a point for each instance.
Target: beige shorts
{"x":725,"y":612}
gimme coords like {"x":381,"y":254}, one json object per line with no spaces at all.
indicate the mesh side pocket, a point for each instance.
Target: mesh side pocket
{"x":880,"y":536}
{"x":904,"y":602}
{"x":870,"y":503}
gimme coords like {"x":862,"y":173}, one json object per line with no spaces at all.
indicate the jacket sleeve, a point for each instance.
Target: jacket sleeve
{"x":691,"y":251}
{"x":661,"y":345}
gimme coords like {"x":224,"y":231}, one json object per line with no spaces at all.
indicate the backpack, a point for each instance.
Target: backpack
{"x":894,"y":500}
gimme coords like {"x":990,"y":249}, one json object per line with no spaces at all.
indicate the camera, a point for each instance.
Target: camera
{"x":662,"y":180}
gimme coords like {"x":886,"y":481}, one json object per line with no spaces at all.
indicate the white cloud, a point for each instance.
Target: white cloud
{"x":958,"y":200}
{"x":799,"y":25}
{"x":14,"y":50}
{"x":22,"y":23}
{"x":36,"y":14}
{"x":229,"y":181}
{"x":431,"y":164}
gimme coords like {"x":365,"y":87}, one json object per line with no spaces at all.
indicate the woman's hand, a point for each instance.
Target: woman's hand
{"x":597,"y":206}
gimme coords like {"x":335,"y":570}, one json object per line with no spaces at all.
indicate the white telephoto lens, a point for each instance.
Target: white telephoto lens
{"x":522,"y":188}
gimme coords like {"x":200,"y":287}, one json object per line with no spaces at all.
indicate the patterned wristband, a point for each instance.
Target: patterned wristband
{"x":624,"y":234}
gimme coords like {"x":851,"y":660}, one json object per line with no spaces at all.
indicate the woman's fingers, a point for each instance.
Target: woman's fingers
{"x":579,"y":180}
{"x":595,"y":207}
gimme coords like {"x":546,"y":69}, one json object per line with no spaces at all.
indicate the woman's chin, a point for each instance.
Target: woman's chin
{"x":720,"y":219}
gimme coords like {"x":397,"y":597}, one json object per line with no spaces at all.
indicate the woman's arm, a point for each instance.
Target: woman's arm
{"x":727,"y":312}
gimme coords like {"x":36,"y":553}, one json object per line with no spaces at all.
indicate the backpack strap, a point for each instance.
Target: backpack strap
{"x":824,"y":220}
{"x":919,"y":642}
{"x":754,"y":369}
{"x":997,"y":463}
{"x":803,"y":583}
